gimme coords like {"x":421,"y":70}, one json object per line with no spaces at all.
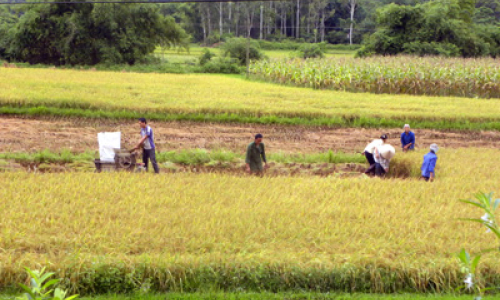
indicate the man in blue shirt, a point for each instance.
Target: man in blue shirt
{"x":407,"y":139}
{"x":148,"y":145}
{"x":429,"y":164}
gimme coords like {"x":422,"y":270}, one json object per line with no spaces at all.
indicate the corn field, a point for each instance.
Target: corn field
{"x":117,"y":232}
{"x":432,"y":76}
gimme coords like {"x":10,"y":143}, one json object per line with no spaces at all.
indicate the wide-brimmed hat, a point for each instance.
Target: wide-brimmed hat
{"x":387,"y":151}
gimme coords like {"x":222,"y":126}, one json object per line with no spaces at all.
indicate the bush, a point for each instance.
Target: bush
{"x":213,"y":38}
{"x":206,"y":57}
{"x":423,"y":49}
{"x":337,"y":37}
{"x":221,"y":65}
{"x":311,"y":51}
{"x":237,"y":48}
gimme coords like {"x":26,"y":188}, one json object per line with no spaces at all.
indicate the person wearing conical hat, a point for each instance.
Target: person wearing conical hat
{"x":382,"y":156}
{"x":429,"y":164}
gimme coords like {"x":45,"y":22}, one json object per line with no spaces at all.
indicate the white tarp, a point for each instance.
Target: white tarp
{"x":107,"y":142}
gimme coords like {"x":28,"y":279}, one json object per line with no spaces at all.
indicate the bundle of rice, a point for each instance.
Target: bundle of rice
{"x":387,"y":151}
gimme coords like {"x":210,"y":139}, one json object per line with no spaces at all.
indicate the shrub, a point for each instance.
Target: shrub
{"x":310,"y":51}
{"x":237,"y":48}
{"x":423,"y":49}
{"x":39,"y":288}
{"x":206,"y":57}
{"x":213,"y":38}
{"x":221,"y":65}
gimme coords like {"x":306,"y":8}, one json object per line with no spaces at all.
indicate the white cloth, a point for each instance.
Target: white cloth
{"x":382,"y":161}
{"x":107,"y":142}
{"x":374,"y":144}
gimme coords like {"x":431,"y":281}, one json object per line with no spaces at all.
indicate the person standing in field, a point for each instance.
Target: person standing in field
{"x":429,"y":164}
{"x":382,"y":156}
{"x":370,"y":149}
{"x":148,"y":145}
{"x":256,"y":154}
{"x":407,"y":139}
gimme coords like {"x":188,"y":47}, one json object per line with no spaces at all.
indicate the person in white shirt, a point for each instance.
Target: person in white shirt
{"x":370,"y":149}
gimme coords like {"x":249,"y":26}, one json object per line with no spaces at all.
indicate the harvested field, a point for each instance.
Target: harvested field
{"x":79,"y":135}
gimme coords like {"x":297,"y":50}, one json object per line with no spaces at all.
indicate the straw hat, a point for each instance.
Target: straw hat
{"x":387,"y":151}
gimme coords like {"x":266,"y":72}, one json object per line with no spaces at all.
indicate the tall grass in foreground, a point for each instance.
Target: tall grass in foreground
{"x":116,"y":232}
{"x":436,"y":76}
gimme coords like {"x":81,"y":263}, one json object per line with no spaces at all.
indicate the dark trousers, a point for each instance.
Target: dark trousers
{"x":379,"y":170}
{"x":150,"y":154}
{"x":371,"y":161}
{"x":369,"y":158}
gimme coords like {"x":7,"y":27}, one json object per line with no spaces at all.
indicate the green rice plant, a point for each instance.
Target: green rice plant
{"x":40,"y":287}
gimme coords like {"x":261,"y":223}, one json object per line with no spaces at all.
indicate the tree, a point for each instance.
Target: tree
{"x":88,"y":33}
{"x":439,"y":27}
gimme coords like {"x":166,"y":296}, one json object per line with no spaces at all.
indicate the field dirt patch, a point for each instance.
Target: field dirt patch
{"x":78,"y":135}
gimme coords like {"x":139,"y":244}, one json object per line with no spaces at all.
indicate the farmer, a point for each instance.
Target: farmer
{"x":429,"y":164}
{"x":407,"y":139}
{"x":256,"y":153}
{"x":382,"y":156}
{"x":369,"y":152}
{"x":148,"y":145}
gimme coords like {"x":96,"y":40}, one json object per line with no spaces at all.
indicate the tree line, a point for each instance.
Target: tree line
{"x":91,"y":33}
{"x":333,"y":21}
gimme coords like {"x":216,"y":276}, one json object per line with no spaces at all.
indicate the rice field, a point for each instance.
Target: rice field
{"x":116,"y":232}
{"x":109,"y":94}
{"x":433,"y":76}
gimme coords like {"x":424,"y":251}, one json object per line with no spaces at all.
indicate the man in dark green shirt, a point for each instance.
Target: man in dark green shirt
{"x":256,"y":154}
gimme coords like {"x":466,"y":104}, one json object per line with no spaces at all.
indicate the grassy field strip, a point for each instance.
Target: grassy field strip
{"x":207,"y":97}
{"x":186,"y":232}
{"x":214,"y":295}
{"x":280,"y":296}
{"x":195,"y":51}
{"x":188,"y":157}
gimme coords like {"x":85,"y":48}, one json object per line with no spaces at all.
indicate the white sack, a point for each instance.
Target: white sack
{"x":107,"y":142}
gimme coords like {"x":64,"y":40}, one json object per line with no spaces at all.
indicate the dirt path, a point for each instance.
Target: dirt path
{"x":27,"y":135}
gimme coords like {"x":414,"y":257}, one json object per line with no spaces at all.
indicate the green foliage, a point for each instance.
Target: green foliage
{"x":310,"y":51}
{"x":46,"y":156}
{"x":469,"y":264}
{"x":40,"y":287}
{"x":433,"y":48}
{"x":237,"y":48}
{"x":206,"y":56}
{"x":293,"y":295}
{"x":88,"y":34}
{"x":345,"y":122}
{"x":438,"y":27}
{"x":220,"y":65}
